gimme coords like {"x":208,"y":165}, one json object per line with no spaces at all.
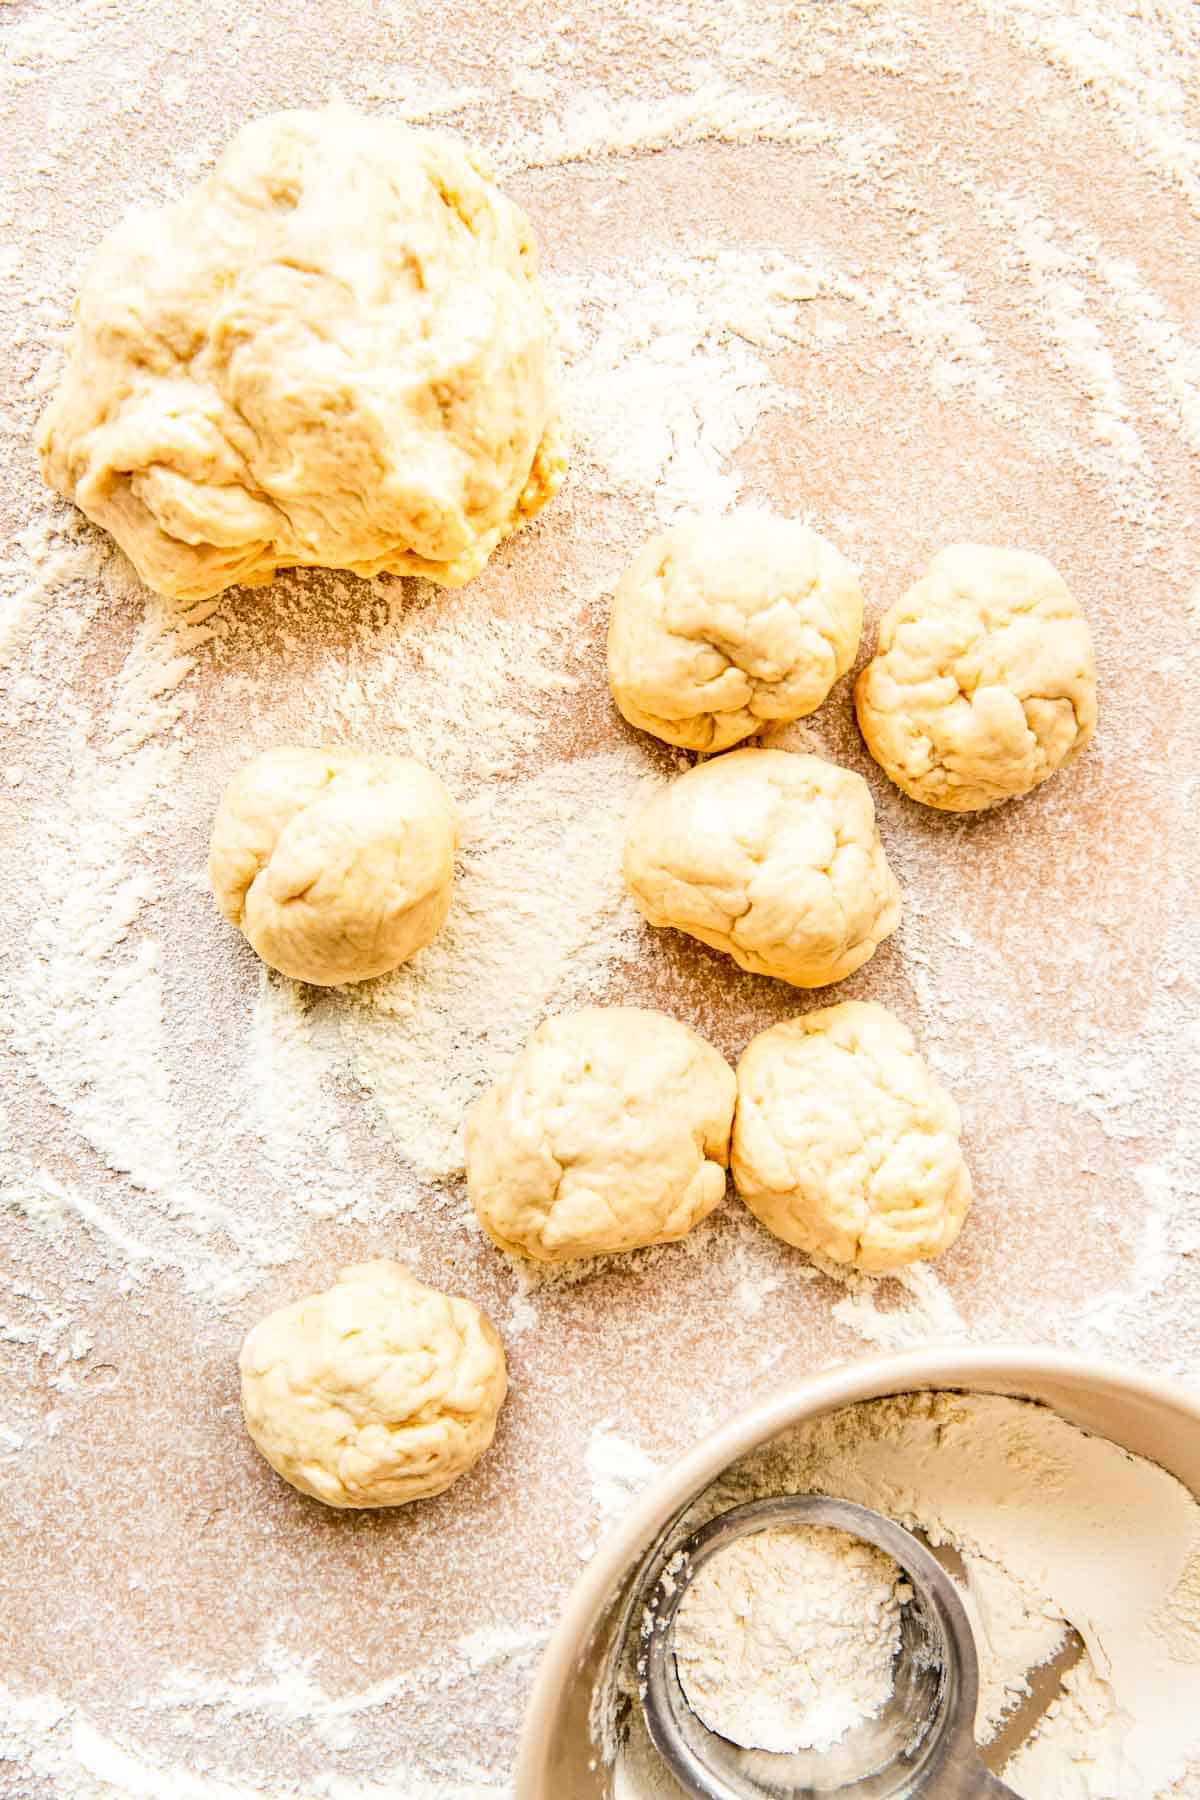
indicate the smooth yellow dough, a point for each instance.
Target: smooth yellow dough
{"x":379,"y":1391}
{"x":772,"y":857}
{"x":721,"y":626}
{"x":983,"y":682}
{"x":332,"y":351}
{"x":844,"y":1144}
{"x":611,"y":1130}
{"x":337,"y":865}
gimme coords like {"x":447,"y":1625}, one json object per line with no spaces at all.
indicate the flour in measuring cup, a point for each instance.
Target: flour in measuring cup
{"x":786,"y":1639}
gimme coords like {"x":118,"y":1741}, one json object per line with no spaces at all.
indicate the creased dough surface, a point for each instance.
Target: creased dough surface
{"x":771,"y":856}
{"x":610,"y":1131}
{"x":378,"y":1391}
{"x":722,"y":625}
{"x":332,"y":351}
{"x":336,"y":865}
{"x":983,"y":682}
{"x":844,"y":1144}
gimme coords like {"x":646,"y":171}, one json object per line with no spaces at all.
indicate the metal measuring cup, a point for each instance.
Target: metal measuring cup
{"x":921,"y":1744}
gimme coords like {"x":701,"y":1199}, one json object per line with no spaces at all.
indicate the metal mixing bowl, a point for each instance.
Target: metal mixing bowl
{"x":1149,"y":1415}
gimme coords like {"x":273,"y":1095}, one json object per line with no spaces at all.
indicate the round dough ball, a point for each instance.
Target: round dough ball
{"x":844,"y":1144}
{"x":611,"y":1130}
{"x":379,"y":1391}
{"x":720,"y":626}
{"x":772,"y":857}
{"x":335,"y":865}
{"x":333,"y":351}
{"x":984,"y":680}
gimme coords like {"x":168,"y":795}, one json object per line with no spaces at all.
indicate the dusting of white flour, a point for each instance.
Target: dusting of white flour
{"x":913,"y":272}
{"x":785,"y":1639}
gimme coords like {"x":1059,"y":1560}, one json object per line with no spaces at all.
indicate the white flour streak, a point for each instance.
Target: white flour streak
{"x":933,"y":305}
{"x":1175,"y":358}
{"x":288,"y":1100}
{"x":685,"y":355}
{"x":91,"y":1021}
{"x":617,"y":1469}
{"x":1106,"y":1086}
{"x":930,"y":1317}
{"x":51,"y":1200}
{"x":442,"y":668}
{"x":1059,"y":282}
{"x":539,"y":914}
{"x":1151,"y":1260}
{"x":674,"y":355}
{"x":34,"y":577}
{"x":597,"y":128}
{"x":1140,"y":62}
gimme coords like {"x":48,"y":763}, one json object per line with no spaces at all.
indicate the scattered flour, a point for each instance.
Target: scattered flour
{"x":684,"y":354}
{"x":181,"y":1130}
{"x":540,"y":912}
{"x":617,"y":1469}
{"x":1139,"y":63}
{"x":930,"y":1315}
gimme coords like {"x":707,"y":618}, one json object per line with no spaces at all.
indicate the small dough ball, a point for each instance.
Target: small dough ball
{"x":720,"y":626}
{"x":611,"y":1130}
{"x":333,"y":351}
{"x":772,"y":857}
{"x":844,"y":1144}
{"x":336,"y":865}
{"x":378,"y":1391}
{"x":984,"y":680}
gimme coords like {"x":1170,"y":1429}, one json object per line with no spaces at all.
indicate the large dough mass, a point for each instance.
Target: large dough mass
{"x":772,"y":857}
{"x":336,"y":865}
{"x":378,"y":1391}
{"x":611,"y":1130}
{"x":333,"y":351}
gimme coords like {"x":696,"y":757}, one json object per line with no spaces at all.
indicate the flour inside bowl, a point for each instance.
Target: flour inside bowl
{"x":1055,"y":1530}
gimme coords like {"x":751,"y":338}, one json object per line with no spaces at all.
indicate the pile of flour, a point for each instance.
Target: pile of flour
{"x":1055,"y":1530}
{"x":786,"y":1639}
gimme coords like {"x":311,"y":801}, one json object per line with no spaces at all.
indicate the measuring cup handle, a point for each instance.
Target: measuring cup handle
{"x":963,"y":1777}
{"x":977,"y":1783}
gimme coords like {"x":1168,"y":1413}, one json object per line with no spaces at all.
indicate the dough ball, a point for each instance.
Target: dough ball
{"x":983,"y":683}
{"x":335,"y":865}
{"x":721,"y":625}
{"x":611,"y":1130}
{"x":844,"y":1144}
{"x":772,"y":857}
{"x":378,"y":1391}
{"x":332,"y":351}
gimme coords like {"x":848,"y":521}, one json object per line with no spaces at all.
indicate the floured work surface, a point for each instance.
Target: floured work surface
{"x":922,"y":274}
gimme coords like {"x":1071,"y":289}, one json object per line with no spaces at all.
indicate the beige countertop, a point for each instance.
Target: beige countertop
{"x":921,"y":272}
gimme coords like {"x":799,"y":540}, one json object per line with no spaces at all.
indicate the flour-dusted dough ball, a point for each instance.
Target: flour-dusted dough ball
{"x":611,"y":1130}
{"x":984,"y":680}
{"x":378,"y":1391}
{"x":720,"y":626}
{"x":335,"y":864}
{"x":772,"y":857}
{"x":844,"y":1144}
{"x":333,"y":351}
